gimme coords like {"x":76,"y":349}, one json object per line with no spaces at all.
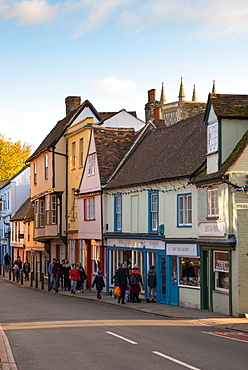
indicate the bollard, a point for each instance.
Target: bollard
{"x":21,"y":277}
{"x":31,"y":279}
{"x":57,"y":284}
{"x":49,"y":282}
{"x":0,"y":269}
{"x":36,"y":280}
{"x":42,"y":280}
{"x":9,"y":273}
{"x":3,"y":271}
{"x":13,"y":275}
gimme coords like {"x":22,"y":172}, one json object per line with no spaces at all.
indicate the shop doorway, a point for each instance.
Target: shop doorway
{"x":173,"y":293}
{"x":161,"y":278}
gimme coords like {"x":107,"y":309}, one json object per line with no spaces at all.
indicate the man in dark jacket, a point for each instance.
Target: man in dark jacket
{"x":17,"y":268}
{"x":99,"y":282}
{"x":57,"y":270}
{"x":151,"y":284}
{"x":7,"y":260}
{"x":122,"y":280}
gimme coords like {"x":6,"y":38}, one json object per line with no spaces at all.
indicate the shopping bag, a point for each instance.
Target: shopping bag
{"x":117,"y":291}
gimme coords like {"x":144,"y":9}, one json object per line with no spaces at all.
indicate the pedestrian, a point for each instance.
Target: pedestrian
{"x":7,"y":260}
{"x":50,"y":272}
{"x":129,"y":269}
{"x":151,"y":284}
{"x":74,"y":277}
{"x":26,"y":270}
{"x":122,"y":280}
{"x":17,"y":268}
{"x":135,"y":284}
{"x":99,"y":282}
{"x":57,"y":273}
{"x":83,"y":277}
{"x":65,"y":270}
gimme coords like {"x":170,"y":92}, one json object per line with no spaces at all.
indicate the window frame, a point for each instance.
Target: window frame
{"x":212,"y":137}
{"x":219,"y":270}
{"x":92,"y":164}
{"x":89,"y":209}
{"x":153,"y":211}
{"x":53,"y":217}
{"x":185,"y":211}
{"x":46,"y":166}
{"x":213,"y":204}
{"x":42,"y":212}
{"x":81,"y":148}
{"x":118,"y":212}
{"x":35,"y":173}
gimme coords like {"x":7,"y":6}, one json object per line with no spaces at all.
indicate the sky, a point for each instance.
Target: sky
{"x":112,"y":52}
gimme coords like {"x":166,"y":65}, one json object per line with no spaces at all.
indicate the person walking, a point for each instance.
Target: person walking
{"x":99,"y":282}
{"x":57,"y":273}
{"x":74,"y":277}
{"x":26,"y":270}
{"x":17,"y":268}
{"x":7,"y":260}
{"x":151,"y":284}
{"x":65,"y":270}
{"x":122,"y":280}
{"x":135,"y":283}
{"x":83,"y":277}
{"x":50,"y":272}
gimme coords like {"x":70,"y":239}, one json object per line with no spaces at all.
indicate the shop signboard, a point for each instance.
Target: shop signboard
{"x":212,"y":228}
{"x":181,"y":249}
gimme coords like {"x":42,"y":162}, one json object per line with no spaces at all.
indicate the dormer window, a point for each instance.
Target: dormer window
{"x":212,"y":137}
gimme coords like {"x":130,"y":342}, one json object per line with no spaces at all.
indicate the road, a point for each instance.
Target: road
{"x":48,"y":331}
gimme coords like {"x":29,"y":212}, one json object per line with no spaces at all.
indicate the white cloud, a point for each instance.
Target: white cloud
{"x":113,"y":85}
{"x":28,"y":11}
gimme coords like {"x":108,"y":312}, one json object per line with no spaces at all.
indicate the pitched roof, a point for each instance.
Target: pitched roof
{"x":23,"y":212}
{"x":230,"y":161}
{"x":3,"y":183}
{"x":106,"y":115}
{"x":169,"y":152}
{"x":229,"y":106}
{"x":111,"y":147}
{"x":59,"y":129}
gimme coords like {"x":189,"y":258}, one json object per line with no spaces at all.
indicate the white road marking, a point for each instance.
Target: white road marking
{"x":120,"y":337}
{"x":223,"y":336}
{"x":174,"y":360}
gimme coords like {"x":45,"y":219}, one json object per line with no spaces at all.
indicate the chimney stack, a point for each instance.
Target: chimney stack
{"x":71,"y":103}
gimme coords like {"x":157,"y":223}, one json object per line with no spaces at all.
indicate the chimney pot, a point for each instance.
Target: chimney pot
{"x":151,"y":95}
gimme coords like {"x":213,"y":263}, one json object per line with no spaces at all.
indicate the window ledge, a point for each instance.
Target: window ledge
{"x":212,"y":218}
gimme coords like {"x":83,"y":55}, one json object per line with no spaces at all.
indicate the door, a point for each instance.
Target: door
{"x":161,"y":279}
{"x":173,"y":296}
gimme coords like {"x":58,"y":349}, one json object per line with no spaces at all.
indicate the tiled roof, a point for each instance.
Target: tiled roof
{"x":57,"y":132}
{"x":24,"y":211}
{"x":230,"y":106}
{"x":231,"y":160}
{"x":169,"y":152}
{"x":111,"y":147}
{"x":106,"y":115}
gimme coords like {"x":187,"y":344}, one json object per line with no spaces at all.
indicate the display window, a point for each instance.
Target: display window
{"x":189,"y":271}
{"x":221,"y":270}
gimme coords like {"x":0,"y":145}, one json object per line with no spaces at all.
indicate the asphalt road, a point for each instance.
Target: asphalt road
{"x":48,"y":331}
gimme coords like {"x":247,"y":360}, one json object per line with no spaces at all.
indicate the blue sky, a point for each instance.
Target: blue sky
{"x":112,"y":52}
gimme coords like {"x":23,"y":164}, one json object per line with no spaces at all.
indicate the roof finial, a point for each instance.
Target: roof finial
{"x":162,"y":97}
{"x":194,"y":94}
{"x":213,"y":89}
{"x":181,"y":95}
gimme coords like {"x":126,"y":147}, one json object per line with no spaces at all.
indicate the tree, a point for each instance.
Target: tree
{"x":12,"y":157}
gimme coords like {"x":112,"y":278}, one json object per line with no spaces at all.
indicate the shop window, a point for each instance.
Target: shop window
{"x":185,"y":210}
{"x":213,"y":209}
{"x":95,"y":252}
{"x":189,"y":271}
{"x":221,"y":270}
{"x":153,"y":211}
{"x":118,"y":212}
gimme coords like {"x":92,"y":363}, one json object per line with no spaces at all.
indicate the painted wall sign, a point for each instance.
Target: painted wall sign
{"x":181,"y":250}
{"x":136,"y":243}
{"x":212,"y":228}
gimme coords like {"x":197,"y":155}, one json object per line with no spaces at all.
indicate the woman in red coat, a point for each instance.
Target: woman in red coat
{"x":74,"y":277}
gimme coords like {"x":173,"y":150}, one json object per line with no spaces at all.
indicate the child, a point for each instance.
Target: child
{"x":99,"y":284}
{"x":75,"y":277}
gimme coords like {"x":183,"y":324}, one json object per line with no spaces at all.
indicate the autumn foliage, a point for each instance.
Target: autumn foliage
{"x":12,"y":157}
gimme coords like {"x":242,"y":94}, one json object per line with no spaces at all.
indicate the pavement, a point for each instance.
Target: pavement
{"x":202,"y":317}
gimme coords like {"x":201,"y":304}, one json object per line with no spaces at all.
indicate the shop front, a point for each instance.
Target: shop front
{"x":183,"y":274}
{"x":142,"y":252}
